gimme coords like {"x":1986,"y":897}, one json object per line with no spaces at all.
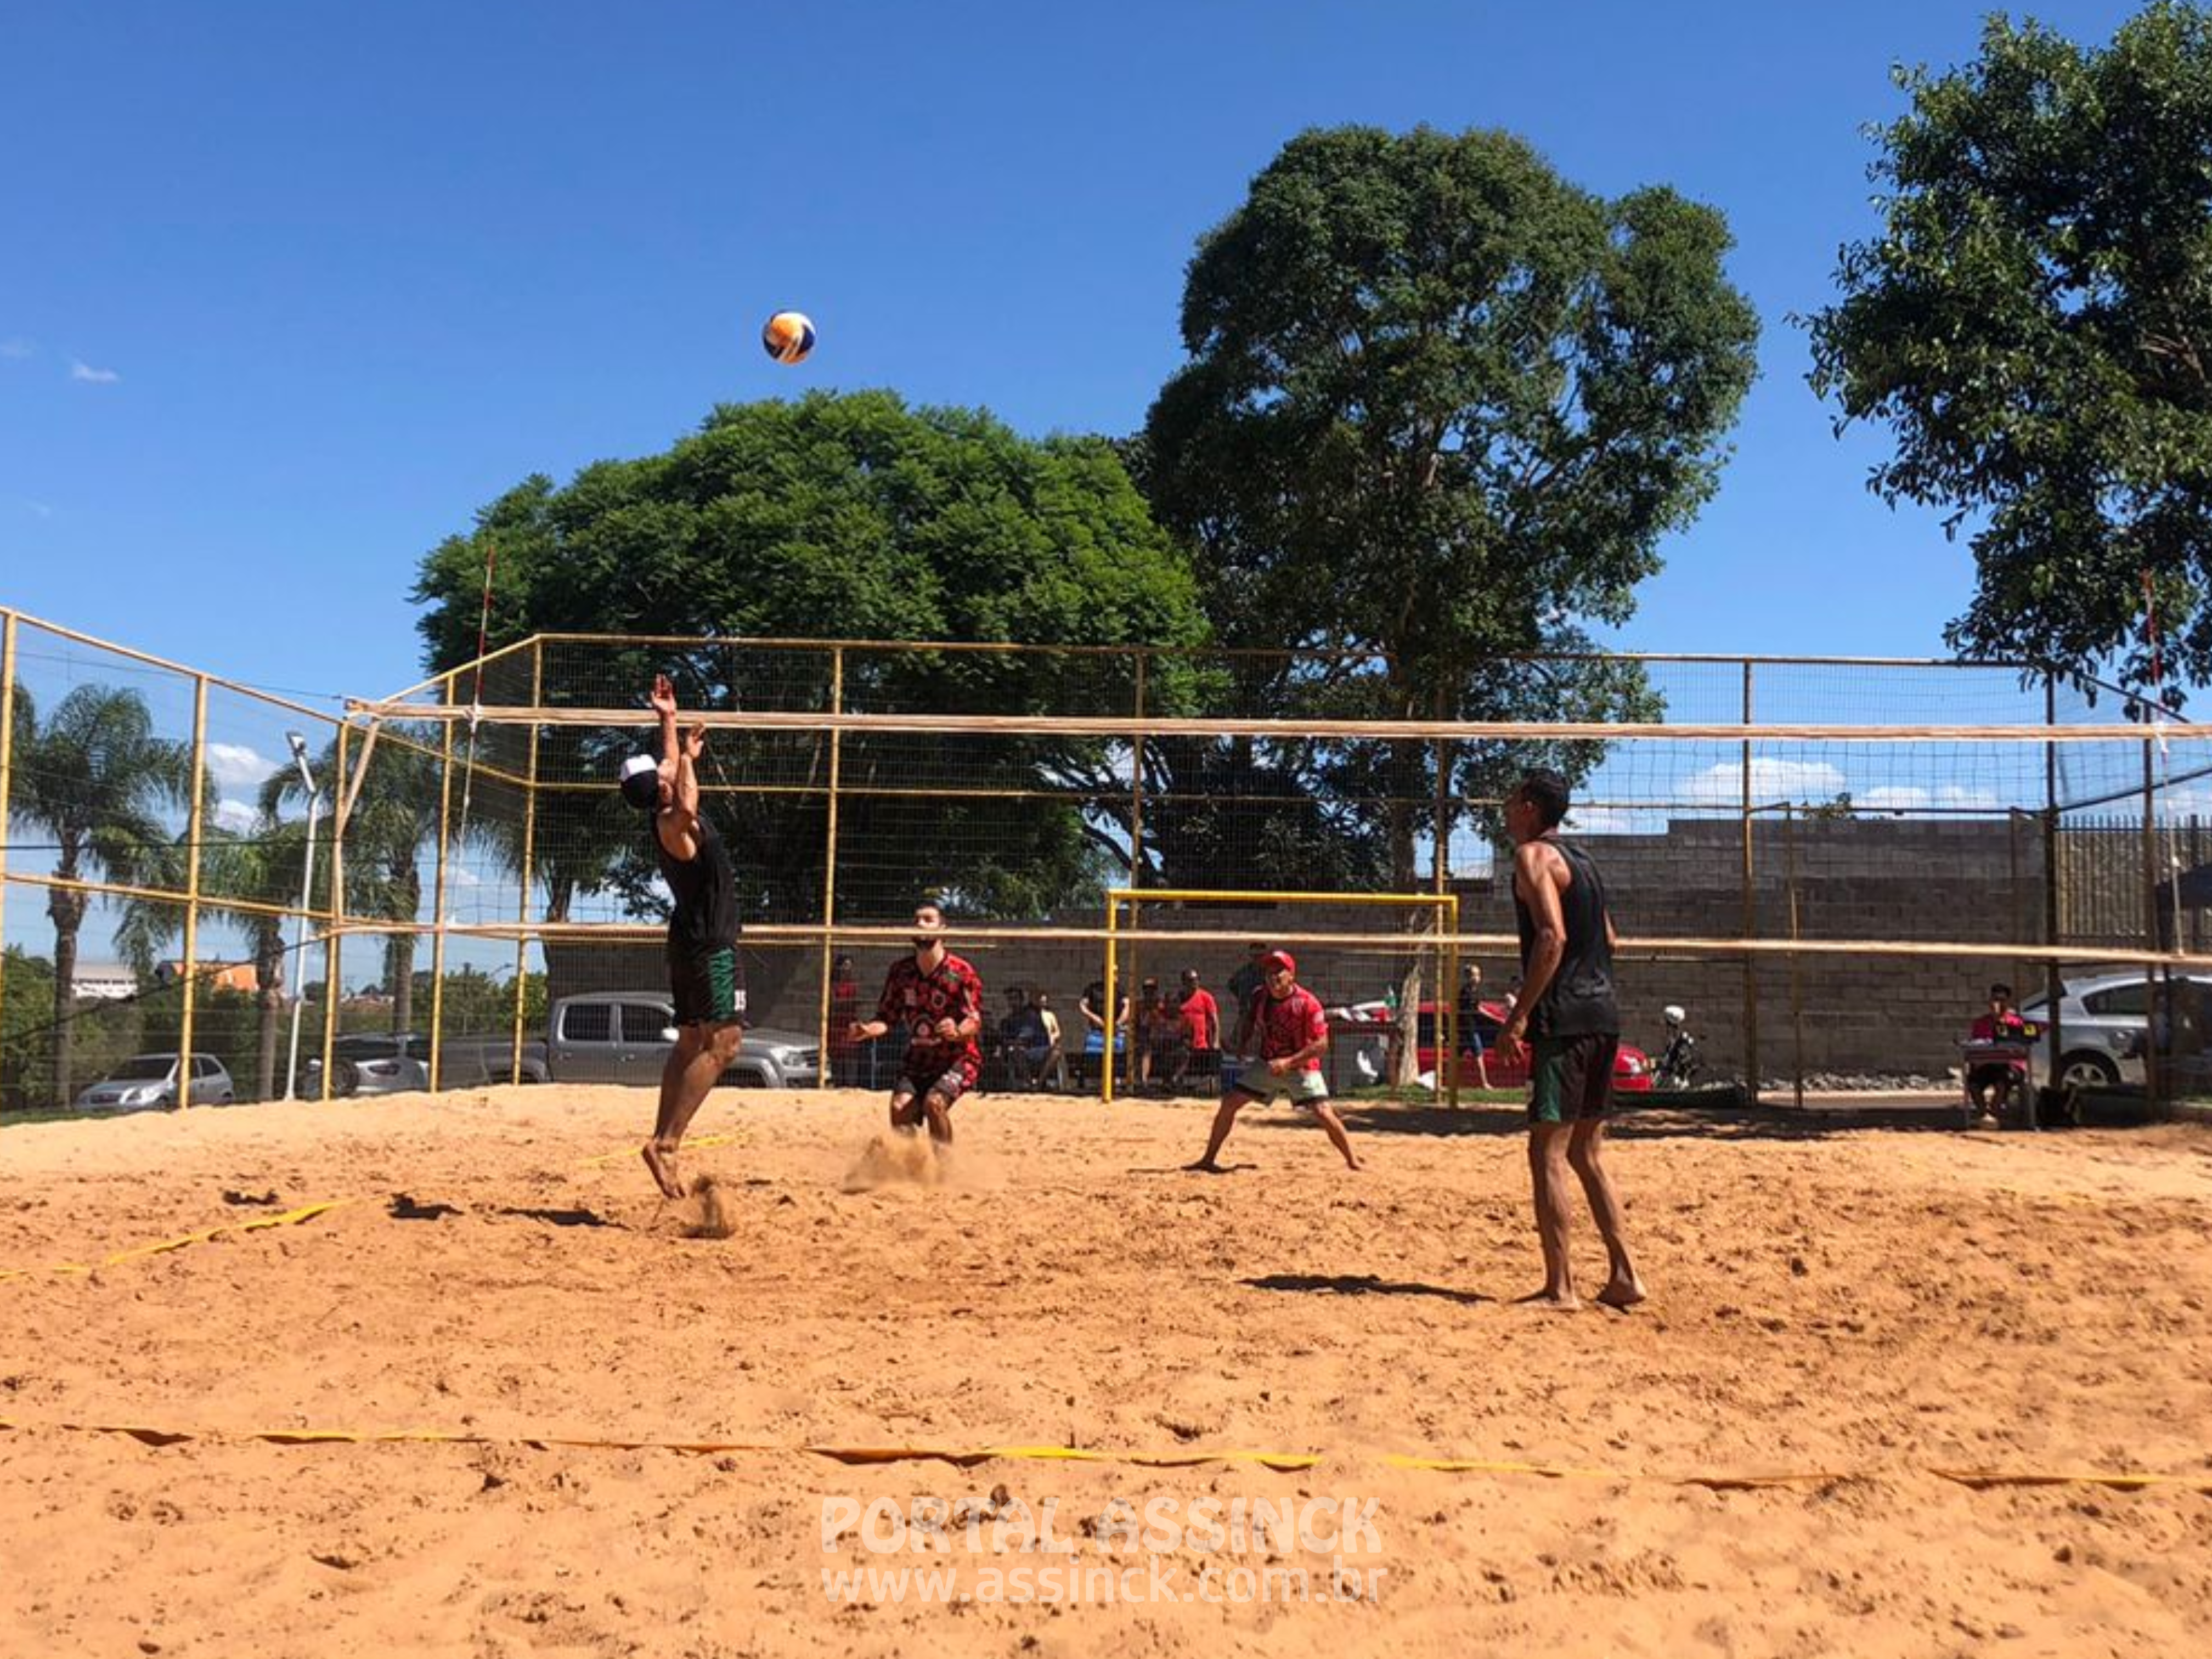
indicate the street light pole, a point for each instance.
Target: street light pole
{"x":299,"y":927}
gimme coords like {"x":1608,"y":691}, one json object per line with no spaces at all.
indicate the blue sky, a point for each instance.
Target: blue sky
{"x":289,"y":291}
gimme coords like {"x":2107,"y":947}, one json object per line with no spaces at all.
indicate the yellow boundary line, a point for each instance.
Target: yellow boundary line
{"x":137,"y":1252}
{"x":965,"y":1456}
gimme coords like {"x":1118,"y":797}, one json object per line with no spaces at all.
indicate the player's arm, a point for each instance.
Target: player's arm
{"x":969,"y":1026}
{"x":1532,"y":880}
{"x":865,"y":1031}
{"x":679,"y":824}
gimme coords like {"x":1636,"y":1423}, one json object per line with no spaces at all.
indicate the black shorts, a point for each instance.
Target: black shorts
{"x":1570,"y":1077}
{"x":947,"y":1076}
{"x":710,"y":988}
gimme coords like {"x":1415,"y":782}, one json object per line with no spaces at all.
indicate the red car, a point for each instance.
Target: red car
{"x":1631,"y":1067}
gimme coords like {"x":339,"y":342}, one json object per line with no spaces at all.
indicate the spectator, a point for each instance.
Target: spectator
{"x":1475,"y":1028}
{"x":1023,"y":1046}
{"x":1096,"y":1024}
{"x":1201,"y":1031}
{"x":1055,"y":1059}
{"x":1159,"y":1035}
{"x":1989,"y":1084}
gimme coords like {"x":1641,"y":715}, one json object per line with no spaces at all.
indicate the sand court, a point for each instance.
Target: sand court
{"x":647,"y":1420}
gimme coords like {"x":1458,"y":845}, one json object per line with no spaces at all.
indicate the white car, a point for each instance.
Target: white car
{"x":149,"y":1080}
{"x":2103,"y":1024}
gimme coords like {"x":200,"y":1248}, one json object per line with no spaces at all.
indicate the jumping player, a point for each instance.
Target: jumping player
{"x":1568,"y":1008}
{"x":705,"y":979}
{"x":939,"y":998}
{"x":1293,"y":1036}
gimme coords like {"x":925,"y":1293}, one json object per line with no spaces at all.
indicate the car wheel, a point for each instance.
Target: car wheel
{"x":345,"y":1079}
{"x":2088,"y":1070}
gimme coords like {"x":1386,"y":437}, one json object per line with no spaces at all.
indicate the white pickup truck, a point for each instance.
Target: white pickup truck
{"x":624,"y":1036}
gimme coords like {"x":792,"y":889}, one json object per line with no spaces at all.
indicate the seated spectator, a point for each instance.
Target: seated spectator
{"x":1159,"y":1035}
{"x":1022,"y":1044}
{"x":1989,"y":1082}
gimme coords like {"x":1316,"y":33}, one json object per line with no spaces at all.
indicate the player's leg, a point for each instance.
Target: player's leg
{"x":938,"y":1100}
{"x":1233,"y":1099}
{"x":1548,"y":1137}
{"x":1310,"y":1090}
{"x":1591,"y":1093}
{"x":906,"y":1104}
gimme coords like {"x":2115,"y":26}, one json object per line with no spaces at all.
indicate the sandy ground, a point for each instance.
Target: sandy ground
{"x":1874,"y":1305}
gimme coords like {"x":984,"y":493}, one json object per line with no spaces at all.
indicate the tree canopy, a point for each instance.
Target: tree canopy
{"x":2034,"y":324}
{"x":1443,"y":405}
{"x":852,"y":517}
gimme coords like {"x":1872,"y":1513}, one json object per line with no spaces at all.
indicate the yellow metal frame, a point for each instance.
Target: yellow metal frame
{"x":1445,"y":938}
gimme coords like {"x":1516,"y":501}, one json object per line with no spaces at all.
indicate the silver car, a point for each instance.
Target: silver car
{"x":2103,"y":1024}
{"x":368,"y":1063}
{"x":145,"y":1081}
{"x":624,"y":1036}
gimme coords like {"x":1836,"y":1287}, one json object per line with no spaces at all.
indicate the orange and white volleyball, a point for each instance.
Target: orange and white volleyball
{"x":787,"y":336}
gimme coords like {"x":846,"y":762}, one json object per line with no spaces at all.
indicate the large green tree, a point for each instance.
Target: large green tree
{"x":2034,"y":322}
{"x":852,"y":517}
{"x":94,"y":780}
{"x":1441,"y":406}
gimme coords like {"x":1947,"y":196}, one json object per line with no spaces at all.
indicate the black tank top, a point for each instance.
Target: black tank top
{"x":705,"y":888}
{"x":1579,"y":1001}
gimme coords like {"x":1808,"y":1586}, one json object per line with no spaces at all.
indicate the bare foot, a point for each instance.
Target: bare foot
{"x":1204,"y":1166}
{"x":1550,"y":1301}
{"x":1352,"y":1162}
{"x":1623,"y":1293}
{"x":663,"y":1166}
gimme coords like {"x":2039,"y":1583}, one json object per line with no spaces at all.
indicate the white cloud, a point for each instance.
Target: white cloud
{"x":1771,"y":780}
{"x":235,"y":815}
{"x":17,"y":348}
{"x":1614,"y":821}
{"x":79,"y":370}
{"x":232,"y":764}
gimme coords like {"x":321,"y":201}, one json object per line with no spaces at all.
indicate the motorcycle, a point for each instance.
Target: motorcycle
{"x":1678,"y":1061}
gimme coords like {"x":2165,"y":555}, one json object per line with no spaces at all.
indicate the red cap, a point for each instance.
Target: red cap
{"x":1282,"y":959}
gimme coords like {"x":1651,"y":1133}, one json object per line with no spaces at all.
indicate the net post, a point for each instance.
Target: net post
{"x":7,"y":773}
{"x":332,"y":976}
{"x":1750,"y":915}
{"x":1796,"y":974}
{"x":529,"y":860}
{"x":822,"y":1079}
{"x":192,"y":834}
{"x":2054,"y":980}
{"x":1451,"y":914}
{"x":438,"y":891}
{"x":2153,"y":1073}
{"x":1106,"y":1050}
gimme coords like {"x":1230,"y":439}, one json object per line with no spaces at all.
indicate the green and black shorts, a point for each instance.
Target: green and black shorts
{"x":708,"y":988}
{"x":1570,"y":1077}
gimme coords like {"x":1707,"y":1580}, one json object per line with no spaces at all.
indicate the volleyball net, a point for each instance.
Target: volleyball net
{"x":1826,"y":862}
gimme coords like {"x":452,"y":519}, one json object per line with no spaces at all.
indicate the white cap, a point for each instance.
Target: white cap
{"x":637,"y":767}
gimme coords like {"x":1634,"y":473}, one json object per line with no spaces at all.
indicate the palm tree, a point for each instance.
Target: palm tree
{"x":92,"y":780}
{"x":394,"y":821}
{"x":263,"y":865}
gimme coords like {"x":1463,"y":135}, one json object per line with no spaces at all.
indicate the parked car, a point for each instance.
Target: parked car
{"x":379,"y":1063}
{"x":150,"y":1080}
{"x":624,"y":1036}
{"x":1631,"y":1067}
{"x":2103,"y":1024}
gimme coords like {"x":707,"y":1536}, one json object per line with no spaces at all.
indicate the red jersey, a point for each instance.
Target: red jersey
{"x":917,"y":1000}
{"x":1201,"y":1019}
{"x":1288,"y":1024}
{"x":2008,"y":1027}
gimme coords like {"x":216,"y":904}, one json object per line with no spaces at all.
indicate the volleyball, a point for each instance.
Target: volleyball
{"x":787,"y":336}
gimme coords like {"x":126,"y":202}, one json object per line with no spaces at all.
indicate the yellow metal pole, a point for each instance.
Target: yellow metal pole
{"x":1444,"y":1076}
{"x":7,"y":763}
{"x":192,"y":890}
{"x":332,"y":978}
{"x":829,"y":859}
{"x":529,"y":858}
{"x":1750,"y":919}
{"x":1106,"y":1054}
{"x":438,"y":892}
{"x":1450,"y":917}
{"x":1136,"y":854}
